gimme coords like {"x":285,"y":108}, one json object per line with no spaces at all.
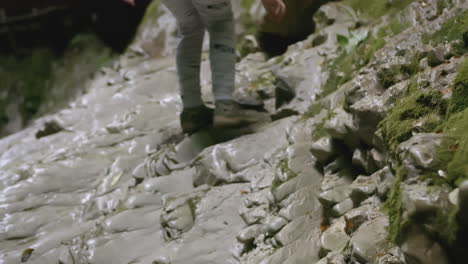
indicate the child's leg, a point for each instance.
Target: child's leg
{"x":189,"y":47}
{"x":218,"y":18}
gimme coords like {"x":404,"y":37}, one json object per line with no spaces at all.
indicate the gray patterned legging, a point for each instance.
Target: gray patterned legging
{"x":193,"y":17}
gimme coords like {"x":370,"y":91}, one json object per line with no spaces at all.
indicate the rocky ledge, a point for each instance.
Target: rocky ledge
{"x":365,"y":161}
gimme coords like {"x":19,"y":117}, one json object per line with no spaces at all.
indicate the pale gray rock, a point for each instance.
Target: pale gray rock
{"x":299,"y":158}
{"x":254,"y":215}
{"x":342,"y":207}
{"x":221,"y":163}
{"x":364,"y":160}
{"x":384,"y":180}
{"x":285,"y":189}
{"x":362,"y":188}
{"x":308,"y":178}
{"x":420,"y":248}
{"x":361,"y":159}
{"x":178,"y":181}
{"x":334,"y":190}
{"x":334,"y":238}
{"x":453,"y":196}
{"x":333,"y":258}
{"x":392,"y":256}
{"x":367,"y":113}
{"x":378,"y":159}
{"x":341,"y":126}
{"x":273,"y":225}
{"x":302,"y":251}
{"x":420,"y":198}
{"x":177,"y":221}
{"x":301,"y":76}
{"x":257,"y":198}
{"x":336,"y":195}
{"x":322,"y":149}
{"x":419,"y":152}
{"x":249,"y":233}
{"x":143,"y":199}
{"x":300,"y":132}
{"x":179,"y":212}
{"x":356,"y":217}
{"x":370,"y":239}
{"x":300,"y":203}
{"x":296,"y":228}
{"x":340,"y":166}
{"x":130,"y":220}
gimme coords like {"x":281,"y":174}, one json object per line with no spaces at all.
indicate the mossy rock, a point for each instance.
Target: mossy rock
{"x":398,"y":125}
{"x":454,"y":29}
{"x":377,"y":8}
{"x":459,"y":100}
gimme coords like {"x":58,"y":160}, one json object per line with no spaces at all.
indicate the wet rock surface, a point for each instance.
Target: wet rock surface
{"x":112,"y":179}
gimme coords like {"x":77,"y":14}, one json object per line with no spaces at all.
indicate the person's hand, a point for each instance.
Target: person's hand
{"x":275,"y":8}
{"x":130,"y":2}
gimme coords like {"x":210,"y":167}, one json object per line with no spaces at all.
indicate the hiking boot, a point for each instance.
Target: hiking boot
{"x":194,"y":118}
{"x":231,"y":114}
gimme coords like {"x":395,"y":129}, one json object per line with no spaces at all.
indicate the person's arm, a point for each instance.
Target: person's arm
{"x":130,"y":2}
{"x":275,"y":8}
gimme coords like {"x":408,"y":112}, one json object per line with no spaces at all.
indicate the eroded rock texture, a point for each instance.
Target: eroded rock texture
{"x":364,"y":161}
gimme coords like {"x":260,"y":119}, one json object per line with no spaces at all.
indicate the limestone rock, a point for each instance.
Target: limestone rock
{"x":296,"y":228}
{"x":419,"y":152}
{"x":357,"y":216}
{"x":223,"y":162}
{"x":420,"y":198}
{"x":273,"y":225}
{"x":248,"y":234}
{"x":362,"y":188}
{"x":384,"y":179}
{"x":419,"y":248}
{"x":367,"y":160}
{"x":254,"y":215}
{"x":341,"y":126}
{"x":300,"y":203}
{"x":367,"y":113}
{"x":334,"y":238}
{"x":322,"y":149}
{"x":370,"y":239}
{"x":342,"y":207}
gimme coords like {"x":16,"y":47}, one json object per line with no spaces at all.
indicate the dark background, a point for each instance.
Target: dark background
{"x":26,"y":24}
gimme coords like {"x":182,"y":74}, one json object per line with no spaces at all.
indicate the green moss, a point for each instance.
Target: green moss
{"x":319,"y":130}
{"x":275,"y":184}
{"x":263,"y":80}
{"x":342,"y":68}
{"x":459,"y":100}
{"x":377,"y":8}
{"x":452,"y":29}
{"x":247,"y":4}
{"x":396,"y":26}
{"x":445,"y":224}
{"x":285,"y":170}
{"x":29,"y":76}
{"x":398,"y":125}
{"x":393,"y":208}
{"x":313,"y":110}
{"x":152,"y":12}
{"x":441,"y":5}
{"x":457,"y":128}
